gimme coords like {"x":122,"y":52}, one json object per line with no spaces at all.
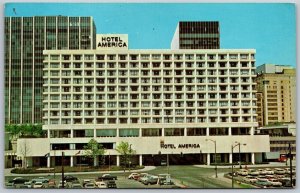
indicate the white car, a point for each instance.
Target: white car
{"x":275,"y":182}
{"x":101,"y":185}
{"x":28,"y":184}
{"x":262,"y":172}
{"x":250,"y":179}
{"x":89,"y":185}
{"x":253,"y":172}
{"x":132,"y":175}
{"x":38,"y":185}
{"x":279,"y":171}
{"x":242,"y":172}
{"x":269,"y":171}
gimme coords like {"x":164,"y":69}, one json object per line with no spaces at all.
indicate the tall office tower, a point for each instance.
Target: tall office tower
{"x":25,"y":40}
{"x":196,"y":35}
{"x":276,"y":86}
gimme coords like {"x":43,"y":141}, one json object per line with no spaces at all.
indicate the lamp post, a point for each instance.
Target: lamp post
{"x":62,"y":169}
{"x":129,"y":156}
{"x":240,"y":162}
{"x":232,"y":147}
{"x":214,"y":141}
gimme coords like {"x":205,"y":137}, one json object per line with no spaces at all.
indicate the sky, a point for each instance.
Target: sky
{"x":268,"y":28}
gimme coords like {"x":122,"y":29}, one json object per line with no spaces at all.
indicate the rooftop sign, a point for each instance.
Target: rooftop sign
{"x":112,"y":41}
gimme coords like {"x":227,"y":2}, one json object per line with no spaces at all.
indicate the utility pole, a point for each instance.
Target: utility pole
{"x":62,"y":169}
{"x":240,"y":161}
{"x":291,"y":167}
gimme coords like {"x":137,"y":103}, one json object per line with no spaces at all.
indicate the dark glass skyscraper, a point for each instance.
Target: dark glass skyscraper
{"x":196,"y":35}
{"x":25,"y":40}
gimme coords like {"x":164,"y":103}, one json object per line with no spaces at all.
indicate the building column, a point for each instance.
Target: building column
{"x":230,"y":158}
{"x":48,"y":133}
{"x":118,"y":160}
{"x":72,"y":133}
{"x":208,"y":159}
{"x":207,"y":131}
{"x":229,"y":131}
{"x":140,"y":134}
{"x":48,"y":162}
{"x":185,"y":132}
{"x":71,"y":161}
{"x":141,"y":160}
{"x":252,"y":158}
{"x":162,"y":132}
{"x":95,"y":132}
{"x":252,"y":131}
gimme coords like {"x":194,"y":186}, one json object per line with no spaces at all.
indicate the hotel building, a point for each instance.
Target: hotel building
{"x":25,"y":40}
{"x":276,"y":86}
{"x":163,"y":102}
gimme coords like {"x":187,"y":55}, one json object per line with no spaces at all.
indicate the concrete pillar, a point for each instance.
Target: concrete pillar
{"x":185,"y":131}
{"x":162,"y":132}
{"x":95,"y":132}
{"x":48,"y":133}
{"x":207,"y":131}
{"x":71,"y":161}
{"x":118,"y":160}
{"x":229,"y":131}
{"x":208,"y":159}
{"x":252,"y":158}
{"x":141,"y":160}
{"x":117,"y":133}
{"x":48,"y":162}
{"x":230,"y":158}
{"x":252,"y":131}
{"x":72,"y":133}
{"x":140,"y":134}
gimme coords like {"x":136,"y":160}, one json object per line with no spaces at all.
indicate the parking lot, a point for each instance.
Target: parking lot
{"x":266,"y":177}
{"x":184,"y":176}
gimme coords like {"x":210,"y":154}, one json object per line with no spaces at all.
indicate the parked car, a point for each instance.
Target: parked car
{"x":242,"y":172}
{"x":253,"y":172}
{"x":111,"y":184}
{"x":275,"y":183}
{"x":262,"y":172}
{"x":65,"y":185}
{"x":70,"y":178}
{"x":51,"y":183}
{"x":165,"y":179}
{"x":101,"y":184}
{"x":9,"y":185}
{"x":286,"y":182}
{"x":263,"y":182}
{"x":142,"y":175}
{"x":132,"y":175}
{"x":279,"y":171}
{"x":288,"y":171}
{"x":38,"y":185}
{"x":28,"y":184}
{"x":86,"y":181}
{"x":76,"y":186}
{"x":150,"y":180}
{"x":269,"y":171}
{"x":269,"y":176}
{"x":163,"y":163}
{"x":18,"y":180}
{"x":89,"y":185}
{"x":105,"y":177}
{"x":250,"y":179}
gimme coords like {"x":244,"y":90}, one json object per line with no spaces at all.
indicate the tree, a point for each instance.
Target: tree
{"x":124,"y":148}
{"x":24,"y":150}
{"x":93,"y":150}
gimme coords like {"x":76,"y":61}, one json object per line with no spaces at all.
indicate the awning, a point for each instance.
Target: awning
{"x":272,"y":155}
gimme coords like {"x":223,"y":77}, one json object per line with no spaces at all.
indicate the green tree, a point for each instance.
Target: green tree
{"x":124,"y":148}
{"x":13,"y":129}
{"x":93,"y":150}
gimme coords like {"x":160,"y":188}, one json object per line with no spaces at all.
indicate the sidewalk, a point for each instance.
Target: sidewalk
{"x":7,"y":172}
{"x":270,"y":165}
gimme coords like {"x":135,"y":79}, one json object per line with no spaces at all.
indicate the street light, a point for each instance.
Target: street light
{"x":129,"y":156}
{"x":240,"y":161}
{"x":214,"y":141}
{"x":232,"y":147}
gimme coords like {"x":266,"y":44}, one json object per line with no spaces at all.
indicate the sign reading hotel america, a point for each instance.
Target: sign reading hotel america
{"x":112,"y":41}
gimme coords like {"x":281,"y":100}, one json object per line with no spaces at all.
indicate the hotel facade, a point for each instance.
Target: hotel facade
{"x":162,"y":102}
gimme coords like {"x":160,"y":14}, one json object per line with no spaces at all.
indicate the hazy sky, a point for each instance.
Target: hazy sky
{"x":268,"y":28}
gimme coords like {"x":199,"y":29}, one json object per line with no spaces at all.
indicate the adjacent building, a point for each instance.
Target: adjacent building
{"x":276,"y":86}
{"x":25,"y":40}
{"x":196,"y":35}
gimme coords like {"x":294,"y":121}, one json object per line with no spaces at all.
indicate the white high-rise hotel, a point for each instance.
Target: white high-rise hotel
{"x":174,"y":102}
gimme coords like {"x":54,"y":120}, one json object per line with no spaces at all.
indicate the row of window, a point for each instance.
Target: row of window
{"x":152,"y":56}
{"x":149,"y":120}
{"x":153,"y":132}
